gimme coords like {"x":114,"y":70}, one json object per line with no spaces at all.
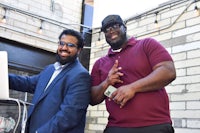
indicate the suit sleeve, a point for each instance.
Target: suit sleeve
{"x":23,"y":83}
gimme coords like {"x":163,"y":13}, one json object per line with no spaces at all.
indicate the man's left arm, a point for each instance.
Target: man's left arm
{"x":163,"y":73}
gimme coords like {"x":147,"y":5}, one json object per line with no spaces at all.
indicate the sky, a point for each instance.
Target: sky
{"x":125,"y":8}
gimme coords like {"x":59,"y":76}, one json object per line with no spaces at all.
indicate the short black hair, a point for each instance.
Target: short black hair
{"x":75,"y":34}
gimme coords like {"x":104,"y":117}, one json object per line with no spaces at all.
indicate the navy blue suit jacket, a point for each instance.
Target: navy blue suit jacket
{"x":62,"y":107}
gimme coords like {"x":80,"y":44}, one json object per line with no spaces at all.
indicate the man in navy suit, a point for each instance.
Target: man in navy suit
{"x":61,"y":90}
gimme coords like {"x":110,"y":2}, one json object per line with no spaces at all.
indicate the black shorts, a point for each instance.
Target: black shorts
{"x":161,"y":128}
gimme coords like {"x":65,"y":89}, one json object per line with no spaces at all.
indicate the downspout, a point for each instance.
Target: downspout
{"x":86,"y":32}
{"x":82,"y":14}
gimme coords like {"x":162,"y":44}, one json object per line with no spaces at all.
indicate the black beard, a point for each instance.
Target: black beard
{"x":118,"y":44}
{"x":67,"y":60}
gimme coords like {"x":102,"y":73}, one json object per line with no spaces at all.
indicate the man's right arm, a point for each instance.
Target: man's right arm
{"x":23,"y":83}
{"x":97,"y":92}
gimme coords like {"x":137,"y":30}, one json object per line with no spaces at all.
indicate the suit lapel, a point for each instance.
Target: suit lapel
{"x":41,"y":86}
{"x":40,"y":94}
{"x":58,"y":77}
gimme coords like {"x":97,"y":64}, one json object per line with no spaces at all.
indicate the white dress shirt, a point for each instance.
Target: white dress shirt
{"x":58,"y":68}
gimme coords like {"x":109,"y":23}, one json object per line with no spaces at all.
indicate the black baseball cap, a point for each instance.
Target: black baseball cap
{"x":111,"y":19}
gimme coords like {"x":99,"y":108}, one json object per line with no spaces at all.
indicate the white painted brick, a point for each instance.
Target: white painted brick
{"x":186,"y":31}
{"x":92,"y":55}
{"x":51,"y":34}
{"x":138,"y":30}
{"x":193,"y":123}
{"x":175,"y":88}
{"x":32,"y":42}
{"x":101,"y":107}
{"x":25,"y":26}
{"x":38,"y":7}
{"x":102,"y":120}
{"x":179,"y":56}
{"x":105,"y":114}
{"x":187,"y":16}
{"x":177,"y":106}
{"x":186,"y":47}
{"x":193,"y":37}
{"x":53,"y":28}
{"x":92,"y":108}
{"x":185,"y":97}
{"x":187,"y":80}
{"x":13,"y":2}
{"x":28,"y":2}
{"x":21,"y":5}
{"x":180,"y":72}
{"x":18,"y":37}
{"x":193,"y":70}
{"x":193,"y":53}
{"x":176,"y":26}
{"x":169,"y":49}
{"x":185,"y":130}
{"x":96,"y":127}
{"x":185,"y":114}
{"x":18,"y":16}
{"x":89,"y":131}
{"x":161,"y":24}
{"x":193,"y":105}
{"x":45,"y":45}
{"x":193,"y":87}
{"x":101,"y":53}
{"x":162,"y":37}
{"x":193,"y":21}
{"x":191,"y":8}
{"x":132,"y":25}
{"x":98,"y":44}
{"x":96,"y":113}
{"x":184,"y":122}
{"x":172,"y":13}
{"x":33,"y":21}
{"x":5,"y":34}
{"x":187,"y":63}
{"x":151,"y":34}
{"x":146,"y":21}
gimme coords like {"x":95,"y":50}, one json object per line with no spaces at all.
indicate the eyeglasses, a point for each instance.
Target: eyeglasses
{"x":71,"y":45}
{"x":112,"y":27}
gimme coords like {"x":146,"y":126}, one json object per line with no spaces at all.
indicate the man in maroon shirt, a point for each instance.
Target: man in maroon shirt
{"x":139,"y":69}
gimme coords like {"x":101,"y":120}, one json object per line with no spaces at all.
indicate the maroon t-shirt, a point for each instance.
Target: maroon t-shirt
{"x":137,"y":61}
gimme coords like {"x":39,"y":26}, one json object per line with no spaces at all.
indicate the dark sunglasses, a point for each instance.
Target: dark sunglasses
{"x":71,"y":45}
{"x":112,"y":27}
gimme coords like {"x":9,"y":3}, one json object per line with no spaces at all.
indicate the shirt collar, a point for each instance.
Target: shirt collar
{"x":131,"y":42}
{"x":57,"y":65}
{"x":118,"y":50}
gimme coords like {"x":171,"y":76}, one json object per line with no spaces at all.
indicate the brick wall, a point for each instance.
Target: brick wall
{"x":24,"y":18}
{"x":179,"y":31}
